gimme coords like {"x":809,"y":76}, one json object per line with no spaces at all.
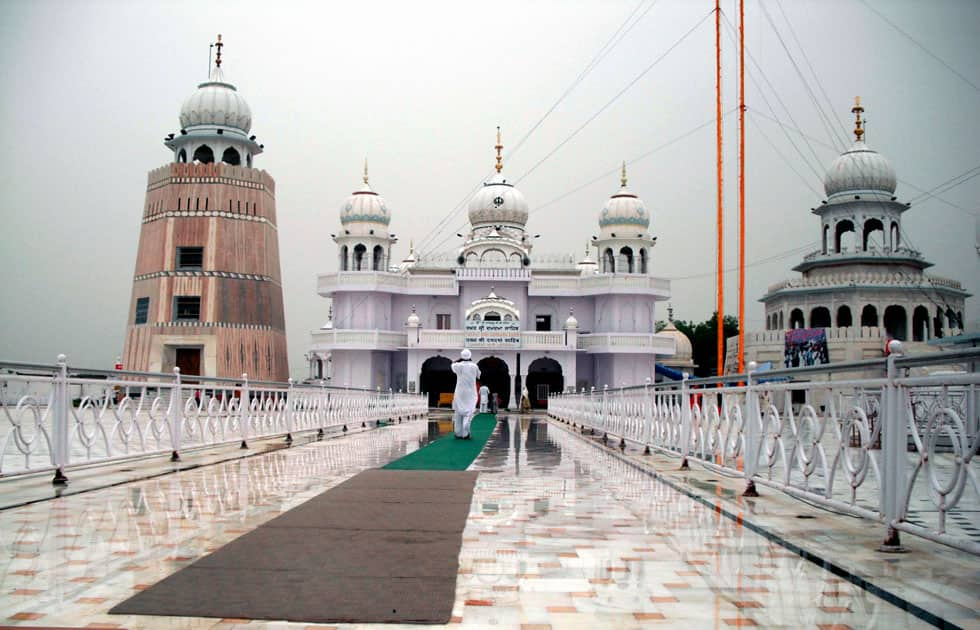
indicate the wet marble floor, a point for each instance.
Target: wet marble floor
{"x":561,"y":534}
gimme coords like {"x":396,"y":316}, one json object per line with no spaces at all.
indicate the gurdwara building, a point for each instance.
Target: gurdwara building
{"x":207,"y":293}
{"x":545,"y":325}
{"x":867,"y":283}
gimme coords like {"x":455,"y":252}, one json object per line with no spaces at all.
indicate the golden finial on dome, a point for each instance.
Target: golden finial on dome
{"x":622,"y":177}
{"x":499,"y":146}
{"x":218,"y":45}
{"x":858,"y":110}
{"x":365,"y":171}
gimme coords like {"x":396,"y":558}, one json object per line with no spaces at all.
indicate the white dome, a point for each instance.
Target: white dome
{"x":365,"y":205}
{"x":684,"y":350}
{"x":413,"y":320}
{"x":571,"y":323}
{"x":498,"y":202}
{"x":216,"y":103}
{"x":859,"y":169}
{"x":624,"y":208}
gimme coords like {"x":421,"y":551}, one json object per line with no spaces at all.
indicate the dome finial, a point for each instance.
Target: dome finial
{"x":499,"y":146}
{"x":218,"y":45}
{"x":365,"y":171}
{"x":622,"y":177}
{"x":858,"y":110}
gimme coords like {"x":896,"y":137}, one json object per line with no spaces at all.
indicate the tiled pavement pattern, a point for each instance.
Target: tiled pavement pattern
{"x":561,"y":535}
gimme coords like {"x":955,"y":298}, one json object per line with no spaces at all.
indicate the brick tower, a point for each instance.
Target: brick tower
{"x":207,"y":294}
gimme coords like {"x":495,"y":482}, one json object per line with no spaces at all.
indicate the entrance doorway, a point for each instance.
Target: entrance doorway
{"x":437,"y":378}
{"x":189,"y":361}
{"x":495,"y":375}
{"x":544,"y":377}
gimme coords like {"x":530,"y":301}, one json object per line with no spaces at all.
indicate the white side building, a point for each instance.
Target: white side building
{"x":547,"y":325}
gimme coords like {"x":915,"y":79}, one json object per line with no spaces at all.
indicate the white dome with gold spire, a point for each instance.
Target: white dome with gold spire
{"x":859,"y":169}
{"x":498,"y":201}
{"x":624,"y":208}
{"x":365,"y":205}
{"x":216,"y":102}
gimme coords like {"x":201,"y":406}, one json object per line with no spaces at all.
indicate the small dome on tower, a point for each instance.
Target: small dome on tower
{"x":571,"y":323}
{"x":413,"y":320}
{"x":684,"y":351}
{"x":859,"y":169}
{"x":498,"y":202}
{"x":365,"y":205}
{"x":216,"y":103}
{"x":624,"y":208}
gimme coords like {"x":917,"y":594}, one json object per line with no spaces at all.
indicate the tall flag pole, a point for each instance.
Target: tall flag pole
{"x":721,"y":250}
{"x":741,"y":187}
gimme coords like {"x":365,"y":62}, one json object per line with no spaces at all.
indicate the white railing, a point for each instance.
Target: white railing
{"x":599,"y":283}
{"x":627,"y":342}
{"x":374,"y":339}
{"x":386,"y":281}
{"x":866,"y":446}
{"x":52,"y":418}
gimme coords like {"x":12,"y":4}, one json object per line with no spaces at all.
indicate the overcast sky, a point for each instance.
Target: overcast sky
{"x":90,"y":89}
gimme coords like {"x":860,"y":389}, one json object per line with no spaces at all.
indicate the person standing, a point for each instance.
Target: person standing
{"x":484,"y":398}
{"x":464,"y":399}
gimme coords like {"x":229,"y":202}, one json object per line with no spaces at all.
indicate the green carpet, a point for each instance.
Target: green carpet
{"x":449,"y":453}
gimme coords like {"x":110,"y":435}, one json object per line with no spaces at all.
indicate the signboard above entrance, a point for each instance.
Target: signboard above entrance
{"x":482,"y":334}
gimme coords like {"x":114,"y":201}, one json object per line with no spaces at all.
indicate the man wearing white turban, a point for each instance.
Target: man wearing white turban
{"x":464,"y":399}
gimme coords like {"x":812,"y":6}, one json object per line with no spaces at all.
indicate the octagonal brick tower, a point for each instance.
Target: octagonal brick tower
{"x":207,"y":293}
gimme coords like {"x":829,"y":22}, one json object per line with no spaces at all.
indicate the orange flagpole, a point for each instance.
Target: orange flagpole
{"x":741,"y":186}
{"x":721,"y":238}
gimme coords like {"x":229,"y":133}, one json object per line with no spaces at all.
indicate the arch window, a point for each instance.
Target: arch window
{"x":842,"y":242}
{"x":248,"y":160}
{"x":492,"y":316}
{"x":358,"y":262}
{"x":950,"y":319}
{"x":377,"y":258}
{"x":781,"y":321}
{"x":643,"y":260}
{"x":896,"y":240}
{"x":820,"y":317}
{"x":182,"y":156}
{"x":231,"y":156}
{"x":870,"y":227}
{"x":826,"y":233}
{"x":796,"y":319}
{"x":343,"y":258}
{"x":869,"y":316}
{"x":896,"y":322}
{"x":937,"y":323}
{"x":920,"y":324}
{"x":844,"y":319}
{"x":608,"y":261}
{"x":627,"y":254}
{"x":204,"y":154}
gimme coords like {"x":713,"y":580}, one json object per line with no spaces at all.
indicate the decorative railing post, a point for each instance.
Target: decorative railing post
{"x":647,"y":417}
{"x":174,"y":415}
{"x":59,"y":422}
{"x":750,"y":432}
{"x":244,"y":411}
{"x":593,"y":411}
{"x":894,"y":427}
{"x":604,"y":413}
{"x":687,"y":422}
{"x":289,"y":413}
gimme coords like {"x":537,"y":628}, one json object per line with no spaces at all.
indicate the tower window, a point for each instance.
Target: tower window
{"x":231,"y":156}
{"x":187,"y":308}
{"x":142,"y":310}
{"x":542,"y":322}
{"x":443,"y":321}
{"x":190,"y":258}
{"x":204,"y":154}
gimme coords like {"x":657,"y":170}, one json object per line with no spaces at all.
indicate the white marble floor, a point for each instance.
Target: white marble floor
{"x":560,"y":535}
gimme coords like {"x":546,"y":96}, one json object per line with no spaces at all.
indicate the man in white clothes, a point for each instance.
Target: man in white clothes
{"x":464,"y":399}
{"x":484,"y":398}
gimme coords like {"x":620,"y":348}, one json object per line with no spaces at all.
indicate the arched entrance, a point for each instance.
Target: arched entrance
{"x":544,"y":377}
{"x":437,"y":378}
{"x":495,"y":375}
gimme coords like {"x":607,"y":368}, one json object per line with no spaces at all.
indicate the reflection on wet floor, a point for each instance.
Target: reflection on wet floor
{"x":563,"y":533}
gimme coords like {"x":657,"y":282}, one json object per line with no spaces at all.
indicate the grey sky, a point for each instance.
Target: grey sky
{"x":90,"y":89}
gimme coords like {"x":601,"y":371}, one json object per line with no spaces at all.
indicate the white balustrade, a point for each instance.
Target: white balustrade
{"x":863,"y":446}
{"x":51,"y":419}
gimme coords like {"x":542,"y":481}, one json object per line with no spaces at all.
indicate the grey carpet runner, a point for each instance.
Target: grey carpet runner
{"x":382,"y":547}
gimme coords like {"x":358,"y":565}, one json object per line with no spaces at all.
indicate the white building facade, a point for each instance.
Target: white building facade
{"x":545,"y":325}
{"x":866,"y":284}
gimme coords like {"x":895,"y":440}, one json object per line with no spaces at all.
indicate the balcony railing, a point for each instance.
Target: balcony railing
{"x":632,"y":343}
{"x":359,"y":339}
